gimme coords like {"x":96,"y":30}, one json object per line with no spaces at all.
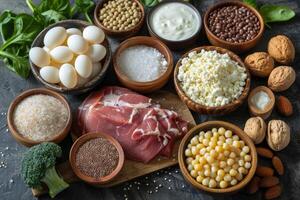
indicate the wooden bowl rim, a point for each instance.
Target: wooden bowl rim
{"x":168,"y":57}
{"x":83,"y":139}
{"x":105,"y":62}
{"x":26,"y":141}
{"x":224,"y":3}
{"x":150,"y":13}
{"x":207,"y":126}
{"x":234,"y":57}
{"x":269,"y":106}
{"x":97,"y":21}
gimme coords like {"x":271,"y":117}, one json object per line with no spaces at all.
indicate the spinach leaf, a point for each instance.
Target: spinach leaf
{"x":6,"y":22}
{"x":251,"y":3}
{"x":83,"y":6}
{"x":150,"y":3}
{"x":274,"y":13}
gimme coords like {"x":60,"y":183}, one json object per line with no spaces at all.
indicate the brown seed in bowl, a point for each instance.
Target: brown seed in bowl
{"x":263,"y":171}
{"x":278,"y":165}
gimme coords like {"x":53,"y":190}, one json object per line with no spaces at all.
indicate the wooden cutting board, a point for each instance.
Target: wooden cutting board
{"x":133,"y":169}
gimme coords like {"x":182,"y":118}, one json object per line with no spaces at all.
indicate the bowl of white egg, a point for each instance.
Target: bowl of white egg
{"x":71,"y":56}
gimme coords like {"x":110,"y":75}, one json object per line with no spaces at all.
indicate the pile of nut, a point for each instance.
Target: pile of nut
{"x":265,"y":177}
{"x":218,"y":158}
{"x":277,"y":134}
{"x":120,"y":15}
{"x":234,"y":24}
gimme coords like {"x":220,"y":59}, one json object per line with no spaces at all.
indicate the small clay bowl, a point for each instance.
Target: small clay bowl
{"x":114,"y":33}
{"x":235,"y":47}
{"x":38,"y":42}
{"x":91,"y":180}
{"x":26,"y":141}
{"x":205,"y":127}
{"x":254,"y":111}
{"x":172,"y":44}
{"x":219,"y":110}
{"x":149,"y":86}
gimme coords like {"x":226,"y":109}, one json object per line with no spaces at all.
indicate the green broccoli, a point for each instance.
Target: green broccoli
{"x":38,"y":166}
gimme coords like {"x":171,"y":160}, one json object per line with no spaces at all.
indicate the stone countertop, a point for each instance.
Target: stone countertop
{"x":164,"y":184}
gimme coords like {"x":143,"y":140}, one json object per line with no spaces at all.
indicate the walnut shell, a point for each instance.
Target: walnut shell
{"x":256,"y":128}
{"x":278,"y":136}
{"x":260,"y":64}
{"x":281,"y":78}
{"x":281,"y":49}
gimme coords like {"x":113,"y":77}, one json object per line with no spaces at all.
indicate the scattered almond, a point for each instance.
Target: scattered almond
{"x":268,"y":181}
{"x":264,"y":152}
{"x":284,"y":106}
{"x":253,"y":186}
{"x":263,"y":171}
{"x":278,"y":165}
{"x":273,"y":192}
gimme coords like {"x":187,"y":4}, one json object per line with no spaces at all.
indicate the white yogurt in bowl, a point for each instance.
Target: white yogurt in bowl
{"x":175,"y":21}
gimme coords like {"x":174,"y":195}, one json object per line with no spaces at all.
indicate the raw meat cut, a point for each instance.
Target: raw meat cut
{"x":143,"y":129}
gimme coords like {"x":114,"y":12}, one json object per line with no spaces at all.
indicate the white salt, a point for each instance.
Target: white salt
{"x":142,"y":63}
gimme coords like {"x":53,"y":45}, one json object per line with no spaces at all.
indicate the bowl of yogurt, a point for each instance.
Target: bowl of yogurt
{"x":176,"y":23}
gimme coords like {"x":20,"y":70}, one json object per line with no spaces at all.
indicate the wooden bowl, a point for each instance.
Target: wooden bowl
{"x":149,"y":86}
{"x":119,"y":34}
{"x":28,"y":142}
{"x":220,"y":110}
{"x":236,"y":47}
{"x":254,"y":111}
{"x":180,"y":44}
{"x":38,"y":42}
{"x":208,"y":126}
{"x":91,"y":180}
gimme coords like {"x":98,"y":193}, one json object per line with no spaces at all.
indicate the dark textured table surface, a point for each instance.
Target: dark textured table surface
{"x":164,"y":184}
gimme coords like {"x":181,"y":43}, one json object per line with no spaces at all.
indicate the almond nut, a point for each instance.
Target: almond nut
{"x":268,"y":181}
{"x":263,"y":171}
{"x":278,"y":136}
{"x":273,"y":192}
{"x":264,"y":152}
{"x":281,"y":78}
{"x":260,"y":64}
{"x":253,"y":186}
{"x":284,"y":106}
{"x":278,"y":165}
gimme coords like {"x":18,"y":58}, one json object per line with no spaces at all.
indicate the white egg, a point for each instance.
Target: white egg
{"x":83,"y":66}
{"x":93,"y":34}
{"x":55,"y":37}
{"x":61,"y":54}
{"x":96,"y":52}
{"x":68,"y":76}
{"x":77,"y":44}
{"x":74,"y":31}
{"x":97,"y":66}
{"x":50,"y":74}
{"x":47,"y":49}
{"x":39,"y":56}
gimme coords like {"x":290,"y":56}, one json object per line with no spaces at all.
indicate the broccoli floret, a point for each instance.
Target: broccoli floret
{"x":38,"y":166}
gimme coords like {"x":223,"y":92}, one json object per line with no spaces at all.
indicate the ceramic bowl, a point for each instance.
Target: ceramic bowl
{"x":236,"y":47}
{"x":91,"y":180}
{"x":26,"y":141}
{"x":38,"y":42}
{"x":254,"y":111}
{"x":119,"y":34}
{"x":180,"y":44}
{"x":205,"y":127}
{"x":220,"y":110}
{"x":149,"y":86}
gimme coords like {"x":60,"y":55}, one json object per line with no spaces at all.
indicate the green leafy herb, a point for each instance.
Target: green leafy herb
{"x":272,"y":13}
{"x":151,"y":3}
{"x":19,"y":30}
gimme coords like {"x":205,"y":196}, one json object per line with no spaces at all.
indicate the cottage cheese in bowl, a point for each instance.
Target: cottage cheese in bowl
{"x":211,"y":78}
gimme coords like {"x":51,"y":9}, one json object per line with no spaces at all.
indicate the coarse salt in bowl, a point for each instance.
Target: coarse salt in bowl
{"x":143,"y":64}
